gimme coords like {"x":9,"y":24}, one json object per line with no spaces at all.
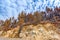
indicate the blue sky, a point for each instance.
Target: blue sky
{"x":9,"y":8}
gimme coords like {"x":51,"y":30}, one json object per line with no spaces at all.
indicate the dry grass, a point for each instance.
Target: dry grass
{"x":45,"y":31}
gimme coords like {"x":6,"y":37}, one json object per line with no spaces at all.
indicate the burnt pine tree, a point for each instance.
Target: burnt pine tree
{"x":6,"y":25}
{"x":37,"y":17}
{"x":21,"y":21}
{"x":30,"y":18}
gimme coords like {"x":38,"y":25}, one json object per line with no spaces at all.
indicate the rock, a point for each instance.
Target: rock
{"x":22,"y":35}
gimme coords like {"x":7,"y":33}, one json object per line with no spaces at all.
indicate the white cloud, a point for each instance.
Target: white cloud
{"x":13,"y":7}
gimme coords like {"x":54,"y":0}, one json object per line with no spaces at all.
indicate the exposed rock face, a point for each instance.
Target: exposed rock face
{"x":46,"y":31}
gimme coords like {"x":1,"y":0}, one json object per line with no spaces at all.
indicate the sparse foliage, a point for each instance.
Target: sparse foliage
{"x":33,"y":18}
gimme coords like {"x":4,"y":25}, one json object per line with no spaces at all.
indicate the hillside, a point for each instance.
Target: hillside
{"x":45,"y":31}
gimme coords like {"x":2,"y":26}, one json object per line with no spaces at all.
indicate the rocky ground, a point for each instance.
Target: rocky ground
{"x":45,"y":31}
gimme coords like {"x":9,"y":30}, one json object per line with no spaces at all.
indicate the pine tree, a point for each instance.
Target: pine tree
{"x":36,"y":15}
{"x":21,"y":18}
{"x":6,"y":25}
